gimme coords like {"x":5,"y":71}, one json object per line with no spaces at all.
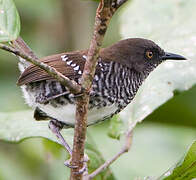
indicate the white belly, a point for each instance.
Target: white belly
{"x":66,"y":113}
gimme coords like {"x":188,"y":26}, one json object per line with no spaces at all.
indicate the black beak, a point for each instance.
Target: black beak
{"x":172,"y":56}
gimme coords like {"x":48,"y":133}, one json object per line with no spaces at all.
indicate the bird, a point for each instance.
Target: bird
{"x":120,"y":71}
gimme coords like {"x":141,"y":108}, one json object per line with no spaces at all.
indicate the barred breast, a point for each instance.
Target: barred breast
{"x":113,"y":89}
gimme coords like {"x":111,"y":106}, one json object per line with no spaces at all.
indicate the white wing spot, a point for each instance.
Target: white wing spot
{"x":76,"y":68}
{"x":79,"y":72}
{"x":96,"y":78}
{"x":73,"y":65}
{"x":100,"y":65}
{"x":84,"y":56}
{"x":64,"y":57}
{"x":69,"y":62}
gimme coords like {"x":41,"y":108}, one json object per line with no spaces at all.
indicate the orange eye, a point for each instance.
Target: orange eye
{"x":149,"y":54}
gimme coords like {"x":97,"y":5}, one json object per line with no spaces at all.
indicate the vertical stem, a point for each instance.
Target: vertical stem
{"x":104,"y":13}
{"x":82,"y":102}
{"x":79,"y":136}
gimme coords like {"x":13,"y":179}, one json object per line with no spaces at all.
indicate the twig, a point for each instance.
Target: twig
{"x":70,"y":84}
{"x":104,"y":13}
{"x":125,"y":148}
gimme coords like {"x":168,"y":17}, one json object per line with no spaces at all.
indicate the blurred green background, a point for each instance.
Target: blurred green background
{"x":51,"y":27}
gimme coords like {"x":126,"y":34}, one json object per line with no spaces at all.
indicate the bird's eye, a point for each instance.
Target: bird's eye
{"x":149,"y":54}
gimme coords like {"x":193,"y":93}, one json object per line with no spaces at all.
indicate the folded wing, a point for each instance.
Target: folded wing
{"x":70,"y":65}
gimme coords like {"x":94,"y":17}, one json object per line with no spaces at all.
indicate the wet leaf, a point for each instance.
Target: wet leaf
{"x":116,"y":125}
{"x":185,"y":169}
{"x":21,"y":125}
{"x":9,"y":21}
{"x":169,"y":24}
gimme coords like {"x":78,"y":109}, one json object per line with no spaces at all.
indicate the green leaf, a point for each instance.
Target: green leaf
{"x":185,"y":169}
{"x":96,"y":159}
{"x":18,"y":126}
{"x":156,"y":146}
{"x":9,"y":21}
{"x":21,"y":125}
{"x":169,"y":24}
{"x":116,"y":125}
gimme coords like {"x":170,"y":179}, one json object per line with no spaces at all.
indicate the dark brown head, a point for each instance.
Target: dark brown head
{"x":138,"y":54}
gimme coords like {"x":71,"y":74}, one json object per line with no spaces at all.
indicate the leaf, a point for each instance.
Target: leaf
{"x":9,"y":21}
{"x":185,"y":169}
{"x":170,"y":24}
{"x":116,"y":125}
{"x":18,"y":126}
{"x":156,"y":146}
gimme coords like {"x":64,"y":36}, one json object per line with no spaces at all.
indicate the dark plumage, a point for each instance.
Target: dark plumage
{"x":120,"y":71}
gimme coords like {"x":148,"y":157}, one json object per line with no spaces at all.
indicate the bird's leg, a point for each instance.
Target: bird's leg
{"x":84,"y":169}
{"x":56,"y":126}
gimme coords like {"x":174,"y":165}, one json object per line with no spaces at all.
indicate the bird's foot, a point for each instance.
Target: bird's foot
{"x":68,"y":164}
{"x":83,"y":170}
{"x":55,"y":126}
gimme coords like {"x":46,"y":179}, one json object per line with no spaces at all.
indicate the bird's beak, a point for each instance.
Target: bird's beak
{"x":172,"y":56}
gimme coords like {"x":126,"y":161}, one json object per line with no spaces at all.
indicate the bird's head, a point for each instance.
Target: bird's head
{"x":139,"y":54}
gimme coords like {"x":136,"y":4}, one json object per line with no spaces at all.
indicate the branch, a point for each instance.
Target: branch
{"x":70,"y":84}
{"x":104,"y":13}
{"x":125,"y":148}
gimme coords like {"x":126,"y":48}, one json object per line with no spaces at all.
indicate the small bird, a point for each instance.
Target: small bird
{"x":120,"y":71}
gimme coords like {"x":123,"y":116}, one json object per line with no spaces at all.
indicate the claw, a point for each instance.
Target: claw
{"x":86,"y":158}
{"x":68,"y":164}
{"x":83,"y":170}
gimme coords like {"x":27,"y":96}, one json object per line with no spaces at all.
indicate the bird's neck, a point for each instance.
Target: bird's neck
{"x":149,"y":68}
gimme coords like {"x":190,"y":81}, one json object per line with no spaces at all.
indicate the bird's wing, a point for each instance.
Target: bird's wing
{"x":70,"y":65}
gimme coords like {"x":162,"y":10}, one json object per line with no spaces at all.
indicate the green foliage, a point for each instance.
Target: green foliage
{"x":21,"y":125}
{"x":155,"y":148}
{"x":186,"y":168}
{"x":116,"y":127}
{"x":9,"y":21}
